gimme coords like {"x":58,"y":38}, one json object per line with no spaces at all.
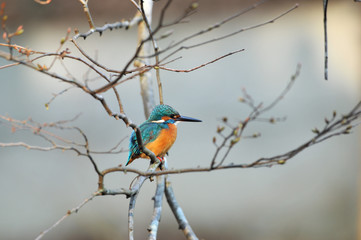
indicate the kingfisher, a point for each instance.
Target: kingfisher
{"x":158,"y":132}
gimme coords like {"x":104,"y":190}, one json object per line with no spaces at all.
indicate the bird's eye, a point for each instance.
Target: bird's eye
{"x":172,"y":116}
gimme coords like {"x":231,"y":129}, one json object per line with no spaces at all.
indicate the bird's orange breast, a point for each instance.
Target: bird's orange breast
{"x":164,"y":141}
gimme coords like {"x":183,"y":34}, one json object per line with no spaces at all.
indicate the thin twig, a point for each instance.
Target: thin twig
{"x":202,"y":65}
{"x":69,"y":212}
{"x":217,"y":25}
{"x":110,"y":26}
{"x":39,"y":129}
{"x":285,"y":91}
{"x":184,"y":47}
{"x":56,"y":95}
{"x":325,"y":3}
{"x":91,"y":59}
{"x":9,"y":65}
{"x":87,"y":14}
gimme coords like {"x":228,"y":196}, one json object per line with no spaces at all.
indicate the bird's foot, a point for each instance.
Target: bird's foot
{"x":161,"y":159}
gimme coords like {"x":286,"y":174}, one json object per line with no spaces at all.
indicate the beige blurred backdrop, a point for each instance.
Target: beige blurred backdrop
{"x":314,"y":196}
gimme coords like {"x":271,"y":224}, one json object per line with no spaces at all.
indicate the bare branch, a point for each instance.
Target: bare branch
{"x":178,"y":212}
{"x":202,"y":65}
{"x":236,"y":132}
{"x":9,"y":65}
{"x":284,"y":92}
{"x":91,"y":59}
{"x":113,"y":149}
{"x":333,"y":127}
{"x":69,"y":212}
{"x":110,"y":26}
{"x":20,"y":49}
{"x":36,"y":68}
{"x":147,"y":21}
{"x":325,"y":3}
{"x":87,"y":13}
{"x":215,"y":26}
{"x":157,"y":210}
{"x":145,"y":33}
{"x":30,"y":147}
{"x":56,"y":95}
{"x":243,"y":29}
{"x":135,"y":190}
{"x":39,"y":129}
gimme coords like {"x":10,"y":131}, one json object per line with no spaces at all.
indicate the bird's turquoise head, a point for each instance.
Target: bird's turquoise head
{"x":166,"y":112}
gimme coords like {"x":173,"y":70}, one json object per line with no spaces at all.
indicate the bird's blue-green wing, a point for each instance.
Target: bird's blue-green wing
{"x":150,"y":132}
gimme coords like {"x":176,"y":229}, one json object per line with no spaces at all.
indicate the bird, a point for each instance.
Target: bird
{"x":158,"y":132}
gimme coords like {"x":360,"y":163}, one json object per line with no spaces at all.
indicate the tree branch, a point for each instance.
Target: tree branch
{"x":135,"y":190}
{"x":202,"y":65}
{"x":110,"y":26}
{"x":333,"y":127}
{"x":69,"y":212}
{"x":325,"y":3}
{"x":178,"y":212}
{"x":157,"y":209}
{"x":146,"y":89}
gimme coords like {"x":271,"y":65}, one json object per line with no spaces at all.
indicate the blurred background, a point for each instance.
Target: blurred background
{"x":314,"y":196}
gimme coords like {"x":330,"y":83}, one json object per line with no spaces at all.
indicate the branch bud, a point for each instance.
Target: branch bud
{"x":19,"y":30}
{"x":235,"y":140}
{"x":235,"y":132}
{"x":256,"y":134}
{"x":348,"y":129}
{"x":315,"y":130}
{"x":220,"y":129}
{"x":281,"y":161}
{"x":194,"y":5}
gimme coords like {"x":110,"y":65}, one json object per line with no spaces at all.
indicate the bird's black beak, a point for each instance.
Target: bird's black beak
{"x":187,"y":119}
